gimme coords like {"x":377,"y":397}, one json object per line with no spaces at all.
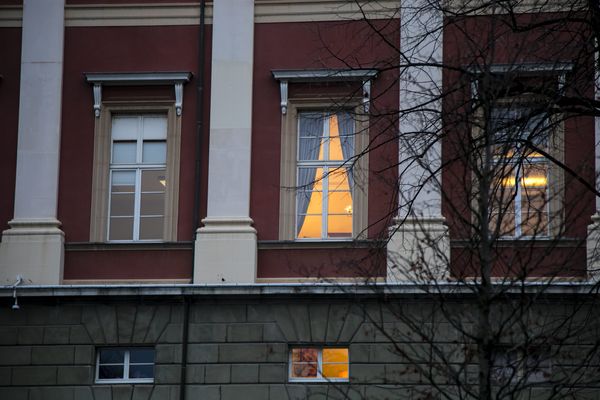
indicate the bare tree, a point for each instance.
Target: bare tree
{"x":496,"y":186}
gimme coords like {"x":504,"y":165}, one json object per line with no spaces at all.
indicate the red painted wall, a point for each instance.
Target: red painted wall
{"x":303,"y":46}
{"x":123,"y":49}
{"x":479,"y":41}
{"x":10,"y":71}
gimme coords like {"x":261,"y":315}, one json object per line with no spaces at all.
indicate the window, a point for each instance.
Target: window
{"x":319,"y":364}
{"x":519,"y":146}
{"x":522,"y":183}
{"x":137,"y":177}
{"x":136,"y":174}
{"x":323,"y":185}
{"x":126,"y":365}
{"x":533,"y":365}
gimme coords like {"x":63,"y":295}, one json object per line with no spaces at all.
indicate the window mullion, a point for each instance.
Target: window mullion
{"x":137,"y":204}
{"x":518,"y":207}
{"x":325,"y":202}
{"x":320,"y":364}
{"x":126,"y":366}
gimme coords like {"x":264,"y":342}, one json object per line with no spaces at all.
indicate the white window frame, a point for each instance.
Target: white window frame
{"x":519,"y":164}
{"x":101,"y":180}
{"x":289,"y":169}
{"x":126,"y":365}
{"x":320,"y":377}
{"x":328,"y":167}
{"x":138,"y":167}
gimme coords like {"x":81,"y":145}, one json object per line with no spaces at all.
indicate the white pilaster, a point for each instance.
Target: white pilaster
{"x":418,"y":248}
{"x":593,"y":237}
{"x":226,"y":245}
{"x":34,"y":245}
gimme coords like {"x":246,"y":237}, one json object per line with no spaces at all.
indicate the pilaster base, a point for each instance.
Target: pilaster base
{"x":225,"y":251}
{"x":418,"y":251}
{"x":593,"y":249}
{"x":33,"y":249}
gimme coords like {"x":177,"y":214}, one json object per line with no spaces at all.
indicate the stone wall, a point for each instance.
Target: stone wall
{"x":237,"y":347}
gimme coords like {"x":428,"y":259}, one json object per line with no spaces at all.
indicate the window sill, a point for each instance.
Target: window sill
{"x":525,"y":242}
{"x":319,"y":244}
{"x":123,"y":381}
{"x":110,"y":246}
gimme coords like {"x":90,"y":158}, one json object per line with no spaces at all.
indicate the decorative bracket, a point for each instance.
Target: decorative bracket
{"x":178,"y":97}
{"x":177,"y":79}
{"x":283,"y":88}
{"x":366,"y":95}
{"x":97,"y":99}
{"x":325,"y":75}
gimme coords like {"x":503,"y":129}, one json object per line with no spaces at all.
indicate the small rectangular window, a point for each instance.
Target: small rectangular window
{"x":319,"y":364}
{"x":125,"y":365}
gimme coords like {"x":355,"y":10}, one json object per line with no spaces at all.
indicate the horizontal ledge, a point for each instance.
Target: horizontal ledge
{"x":91,"y":246}
{"x":369,"y":289}
{"x":522,"y":68}
{"x":313,"y":244}
{"x":137,"y":78}
{"x":324,"y":75}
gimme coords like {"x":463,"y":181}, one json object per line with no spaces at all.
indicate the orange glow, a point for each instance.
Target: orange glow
{"x":339,"y":202}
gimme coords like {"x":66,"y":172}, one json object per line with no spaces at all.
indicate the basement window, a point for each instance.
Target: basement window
{"x":125,"y":365}
{"x":319,"y":364}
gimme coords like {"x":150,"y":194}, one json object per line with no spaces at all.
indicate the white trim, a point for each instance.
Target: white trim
{"x":320,"y":377}
{"x":98,"y":79}
{"x":126,"y":366}
{"x":286,"y":76}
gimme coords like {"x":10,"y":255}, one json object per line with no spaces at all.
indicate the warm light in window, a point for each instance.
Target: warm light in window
{"x":337,"y":210}
{"x":528,"y":181}
{"x":163,"y":181}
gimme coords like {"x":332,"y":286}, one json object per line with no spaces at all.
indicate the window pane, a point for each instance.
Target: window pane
{"x":124,"y":152}
{"x":110,"y":372}
{"x":141,"y":371}
{"x":151,"y":228}
{"x":304,"y":370}
{"x":153,"y":204}
{"x":309,"y":148}
{"x":338,"y":179}
{"x":121,"y":229}
{"x":154,"y":180}
{"x":124,"y":127}
{"x":335,"y":355}
{"x":339,"y":226}
{"x":155,"y":127}
{"x":310,"y":202}
{"x":310,"y":132}
{"x":305,"y":354}
{"x":122,"y":204}
{"x":123,"y":181}
{"x":339,"y":203}
{"x":310,"y":178}
{"x":141,"y":356}
{"x":310,"y":226}
{"x":154,"y":152}
{"x":111,"y":356}
{"x":335,"y":370}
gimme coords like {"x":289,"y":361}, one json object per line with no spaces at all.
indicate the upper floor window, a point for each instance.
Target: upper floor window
{"x":324,"y":180}
{"x":138,"y":177}
{"x":324,"y":175}
{"x":523,"y":186}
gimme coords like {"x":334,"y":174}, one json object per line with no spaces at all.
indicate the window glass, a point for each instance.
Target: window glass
{"x":324,"y":198}
{"x":125,"y":365}
{"x":138,"y":195}
{"x":316,"y":363}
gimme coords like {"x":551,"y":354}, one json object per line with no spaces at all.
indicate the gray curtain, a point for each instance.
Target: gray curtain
{"x":310,"y":132}
{"x":346,"y":127}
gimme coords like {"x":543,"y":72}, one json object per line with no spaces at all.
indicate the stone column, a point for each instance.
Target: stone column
{"x":226,"y":244}
{"x":418,"y":247}
{"x":593,"y":238}
{"x":34,"y":245}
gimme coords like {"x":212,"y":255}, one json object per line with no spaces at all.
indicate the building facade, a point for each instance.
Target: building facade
{"x":297,"y":199}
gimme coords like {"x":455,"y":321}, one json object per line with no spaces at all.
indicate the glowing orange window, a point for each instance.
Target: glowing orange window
{"x":319,"y":364}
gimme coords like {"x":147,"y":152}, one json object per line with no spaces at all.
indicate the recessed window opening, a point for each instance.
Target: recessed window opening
{"x":319,"y":364}
{"x":125,"y":365}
